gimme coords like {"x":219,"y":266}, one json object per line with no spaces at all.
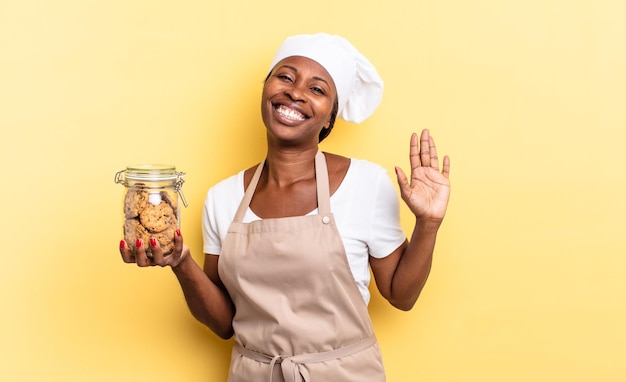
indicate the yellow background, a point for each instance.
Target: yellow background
{"x":527,"y":97}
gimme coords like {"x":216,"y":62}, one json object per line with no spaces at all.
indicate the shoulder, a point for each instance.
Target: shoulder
{"x":363,"y":179}
{"x":353,"y":169}
{"x":338,"y":164}
{"x":363,"y":170}
{"x":230,"y":186}
{"x":367,"y":166}
{"x":227,"y":183}
{"x":221,"y":203}
{"x":369,"y":181}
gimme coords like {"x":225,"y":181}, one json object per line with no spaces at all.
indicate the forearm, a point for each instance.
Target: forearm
{"x":207,"y":302}
{"x":414,"y":265}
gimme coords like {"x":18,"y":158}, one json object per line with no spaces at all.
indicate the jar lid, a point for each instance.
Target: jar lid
{"x":151,"y":172}
{"x":145,"y":173}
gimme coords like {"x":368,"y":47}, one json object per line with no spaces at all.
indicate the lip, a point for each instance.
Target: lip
{"x":286,"y":120}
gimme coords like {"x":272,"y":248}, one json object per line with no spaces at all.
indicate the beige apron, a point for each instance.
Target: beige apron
{"x":299,"y":314}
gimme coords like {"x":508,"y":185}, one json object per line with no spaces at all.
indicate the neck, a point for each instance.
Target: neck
{"x":285,"y":167}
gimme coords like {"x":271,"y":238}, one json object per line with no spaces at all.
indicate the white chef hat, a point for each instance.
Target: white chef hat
{"x":359,"y":87}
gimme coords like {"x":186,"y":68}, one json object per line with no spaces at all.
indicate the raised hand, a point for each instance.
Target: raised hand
{"x":428,"y":191}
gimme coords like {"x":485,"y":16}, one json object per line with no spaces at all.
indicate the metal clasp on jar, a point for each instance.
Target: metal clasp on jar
{"x":118,"y":177}
{"x":178,"y":187}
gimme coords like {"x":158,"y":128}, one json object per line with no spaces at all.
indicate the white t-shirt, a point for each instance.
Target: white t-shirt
{"x":365,"y":207}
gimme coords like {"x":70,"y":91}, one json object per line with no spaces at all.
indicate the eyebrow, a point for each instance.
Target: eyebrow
{"x":296,"y":70}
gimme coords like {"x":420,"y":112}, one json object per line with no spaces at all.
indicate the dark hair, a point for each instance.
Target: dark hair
{"x":333,"y":115}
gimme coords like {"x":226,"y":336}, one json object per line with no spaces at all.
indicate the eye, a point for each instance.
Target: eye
{"x":284,"y":77}
{"x":318,"y":90}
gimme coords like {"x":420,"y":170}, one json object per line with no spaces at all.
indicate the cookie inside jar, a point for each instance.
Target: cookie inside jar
{"x":150,"y":213}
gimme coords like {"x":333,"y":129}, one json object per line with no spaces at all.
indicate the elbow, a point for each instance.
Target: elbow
{"x":404,"y":302}
{"x":223,"y":330}
{"x":404,"y":306}
{"x":225,"y":334}
{"x":405,"y":298}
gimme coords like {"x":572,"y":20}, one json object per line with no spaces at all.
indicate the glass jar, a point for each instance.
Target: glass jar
{"x":151,"y":204}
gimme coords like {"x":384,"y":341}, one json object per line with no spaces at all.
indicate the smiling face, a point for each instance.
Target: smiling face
{"x":298,"y":100}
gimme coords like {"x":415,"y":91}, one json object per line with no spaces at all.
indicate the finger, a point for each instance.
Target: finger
{"x":157,"y":252}
{"x":178,"y":241}
{"x":414,"y":156}
{"x":127,"y":256}
{"x":446,"y":166}
{"x":141,"y":258}
{"x":403,"y":182}
{"x":434,"y":159}
{"x":178,"y":246}
{"x":425,"y":148}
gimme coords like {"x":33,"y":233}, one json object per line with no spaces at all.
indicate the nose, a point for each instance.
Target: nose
{"x":295,"y":91}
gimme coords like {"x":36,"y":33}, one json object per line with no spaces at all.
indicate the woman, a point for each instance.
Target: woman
{"x":288,"y":242}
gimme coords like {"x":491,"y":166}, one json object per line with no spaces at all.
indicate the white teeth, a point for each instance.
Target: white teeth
{"x":289,"y":113}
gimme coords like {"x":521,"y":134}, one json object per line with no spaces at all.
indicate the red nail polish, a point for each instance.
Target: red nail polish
{"x":138,"y":243}
{"x":122,"y":244}
{"x":153,"y":242}
{"x":177,"y":232}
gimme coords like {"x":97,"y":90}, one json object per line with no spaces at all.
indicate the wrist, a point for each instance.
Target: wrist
{"x":182,"y":263}
{"x":428,"y":224}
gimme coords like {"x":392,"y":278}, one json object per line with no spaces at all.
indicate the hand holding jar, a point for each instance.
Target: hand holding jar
{"x":150,"y":253}
{"x":151,"y":210}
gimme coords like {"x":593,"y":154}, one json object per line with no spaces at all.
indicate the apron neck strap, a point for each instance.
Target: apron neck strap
{"x":323,"y":188}
{"x":321,"y":177}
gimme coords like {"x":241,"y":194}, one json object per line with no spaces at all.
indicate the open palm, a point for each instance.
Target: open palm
{"x":428,"y":190}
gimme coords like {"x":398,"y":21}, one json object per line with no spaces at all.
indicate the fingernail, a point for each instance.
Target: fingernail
{"x":122,"y":244}
{"x":153,"y":242}
{"x":138,"y":243}
{"x":177,"y":232}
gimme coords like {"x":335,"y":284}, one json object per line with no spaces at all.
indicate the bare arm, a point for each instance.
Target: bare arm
{"x":207,"y":300}
{"x":401,"y":276}
{"x":205,"y":295}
